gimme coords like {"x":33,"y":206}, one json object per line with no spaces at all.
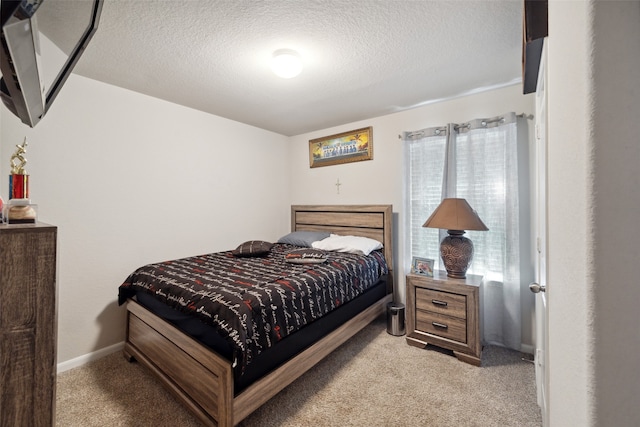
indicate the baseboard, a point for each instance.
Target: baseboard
{"x":86,"y":358}
{"x":527,"y":348}
{"x":524,"y":348}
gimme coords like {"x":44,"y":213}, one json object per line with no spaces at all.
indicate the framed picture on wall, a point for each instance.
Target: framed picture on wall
{"x":346,"y":147}
{"x":423,"y":266}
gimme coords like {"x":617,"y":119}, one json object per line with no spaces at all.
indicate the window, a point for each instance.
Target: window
{"x":477,"y":161}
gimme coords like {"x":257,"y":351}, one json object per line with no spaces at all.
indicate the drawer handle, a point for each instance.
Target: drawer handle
{"x":440,"y":325}
{"x":438,"y":302}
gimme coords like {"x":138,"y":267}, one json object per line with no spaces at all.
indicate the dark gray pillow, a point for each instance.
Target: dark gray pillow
{"x":252,"y":248}
{"x":303,"y":238}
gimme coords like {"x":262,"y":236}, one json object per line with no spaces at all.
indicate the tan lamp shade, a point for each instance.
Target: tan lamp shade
{"x":455,"y":214}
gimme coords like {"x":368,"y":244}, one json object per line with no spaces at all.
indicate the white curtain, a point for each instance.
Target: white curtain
{"x":477,"y":161}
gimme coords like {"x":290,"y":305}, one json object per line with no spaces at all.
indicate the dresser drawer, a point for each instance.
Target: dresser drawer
{"x":445,"y":326}
{"x":454,"y":305}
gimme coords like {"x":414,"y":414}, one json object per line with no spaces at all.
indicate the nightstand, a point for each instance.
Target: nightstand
{"x":445,"y":312}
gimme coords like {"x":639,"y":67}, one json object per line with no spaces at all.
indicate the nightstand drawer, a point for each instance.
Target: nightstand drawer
{"x":442,"y":325}
{"x":441,"y":302}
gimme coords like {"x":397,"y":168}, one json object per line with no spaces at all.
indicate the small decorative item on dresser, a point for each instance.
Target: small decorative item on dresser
{"x":21,"y":211}
{"x":19,"y":180}
{"x":455,"y":216}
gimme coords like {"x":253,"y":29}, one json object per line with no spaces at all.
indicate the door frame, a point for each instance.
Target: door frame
{"x":541,"y":356}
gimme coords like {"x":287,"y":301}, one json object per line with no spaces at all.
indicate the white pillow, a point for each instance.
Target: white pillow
{"x":351,"y":244}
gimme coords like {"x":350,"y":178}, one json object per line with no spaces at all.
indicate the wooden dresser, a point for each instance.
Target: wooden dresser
{"x":27,"y":325}
{"x":445,"y":312}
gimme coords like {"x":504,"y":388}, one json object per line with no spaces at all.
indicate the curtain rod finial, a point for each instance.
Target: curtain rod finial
{"x":526,"y":116}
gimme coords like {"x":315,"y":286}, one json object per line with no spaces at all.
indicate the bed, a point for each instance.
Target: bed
{"x":207,"y":381}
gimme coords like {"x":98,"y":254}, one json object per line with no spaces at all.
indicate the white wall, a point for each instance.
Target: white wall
{"x":594,"y":150}
{"x":616,"y":160}
{"x":569,"y":284}
{"x":594,"y":204}
{"x":131,"y":179}
{"x":381,"y":180}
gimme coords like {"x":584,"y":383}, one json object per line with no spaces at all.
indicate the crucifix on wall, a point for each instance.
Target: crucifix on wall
{"x":338,"y":184}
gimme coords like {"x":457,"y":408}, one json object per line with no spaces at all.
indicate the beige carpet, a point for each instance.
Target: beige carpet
{"x":375,"y":379}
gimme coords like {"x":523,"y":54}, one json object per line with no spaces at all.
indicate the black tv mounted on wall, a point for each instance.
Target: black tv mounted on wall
{"x":42,"y":41}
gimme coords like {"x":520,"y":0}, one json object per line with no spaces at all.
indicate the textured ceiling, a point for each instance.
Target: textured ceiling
{"x":362,"y":58}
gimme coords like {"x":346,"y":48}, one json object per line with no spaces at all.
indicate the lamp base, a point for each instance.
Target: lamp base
{"x":456,"y":252}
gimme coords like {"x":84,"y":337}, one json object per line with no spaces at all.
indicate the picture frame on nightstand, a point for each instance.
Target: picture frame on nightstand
{"x":422,"y":266}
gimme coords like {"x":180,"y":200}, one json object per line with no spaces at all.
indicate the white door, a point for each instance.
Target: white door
{"x":540,"y":286}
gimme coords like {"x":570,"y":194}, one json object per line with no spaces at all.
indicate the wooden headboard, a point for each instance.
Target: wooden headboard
{"x":373,"y":221}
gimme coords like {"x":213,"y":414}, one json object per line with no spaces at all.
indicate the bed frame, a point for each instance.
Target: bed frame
{"x":203,"y":380}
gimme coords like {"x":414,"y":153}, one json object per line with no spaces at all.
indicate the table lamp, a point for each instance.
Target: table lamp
{"x":455,"y":216}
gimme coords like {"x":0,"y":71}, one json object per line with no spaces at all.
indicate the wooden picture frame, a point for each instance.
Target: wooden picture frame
{"x":345,"y":147}
{"x":422,"y":266}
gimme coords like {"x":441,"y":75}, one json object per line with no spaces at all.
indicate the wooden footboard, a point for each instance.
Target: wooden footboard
{"x":203,"y":380}
{"x":199,"y":377}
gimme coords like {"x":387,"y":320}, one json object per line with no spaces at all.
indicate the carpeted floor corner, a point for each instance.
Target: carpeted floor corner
{"x":375,"y":379}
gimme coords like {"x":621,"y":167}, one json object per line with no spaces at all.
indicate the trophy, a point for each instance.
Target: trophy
{"x":19,"y":209}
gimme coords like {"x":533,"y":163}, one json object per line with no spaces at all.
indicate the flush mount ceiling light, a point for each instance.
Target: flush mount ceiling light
{"x":286,"y":63}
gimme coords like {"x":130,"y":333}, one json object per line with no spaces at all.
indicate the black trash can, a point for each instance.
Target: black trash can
{"x":395,"y":318}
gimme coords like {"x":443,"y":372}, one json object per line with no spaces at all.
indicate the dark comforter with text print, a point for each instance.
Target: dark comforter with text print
{"x":255,"y":302}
